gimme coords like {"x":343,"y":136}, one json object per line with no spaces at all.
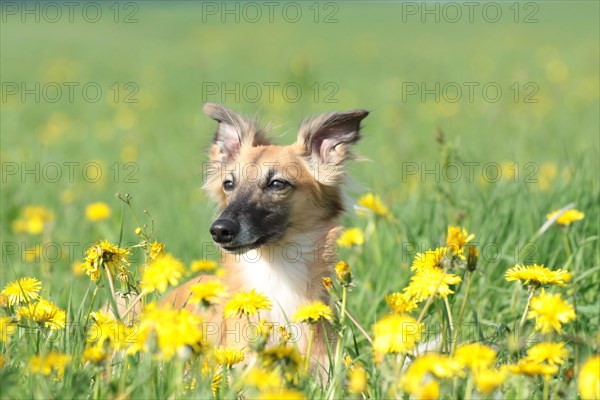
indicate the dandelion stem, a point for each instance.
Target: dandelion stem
{"x":134,"y":302}
{"x":523,"y":318}
{"x":464,"y":302}
{"x":311,"y":337}
{"x":450,"y":324}
{"x":469,"y":388}
{"x":545,"y":394}
{"x":338,"y":347}
{"x":111,"y":295}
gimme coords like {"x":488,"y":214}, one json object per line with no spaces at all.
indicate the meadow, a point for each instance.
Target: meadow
{"x":487,"y":123}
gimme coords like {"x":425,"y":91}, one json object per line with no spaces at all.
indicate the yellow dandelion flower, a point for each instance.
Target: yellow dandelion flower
{"x":351,"y":237}
{"x":327,"y":283}
{"x":532,"y":368}
{"x":204,"y":266}
{"x":286,"y":356}
{"x":429,"y":259}
{"x":22,"y":290}
{"x":44,"y":312}
{"x":396,"y":333}
{"x":105,"y":328}
{"x":537,"y":275}
{"x":457,"y":238}
{"x":8,"y":327}
{"x":228,"y":356}
{"x":313,"y":313}
{"x":358,"y":380}
{"x":548,"y":353}
{"x":475,"y":356}
{"x":138,"y":230}
{"x":215,"y":383}
{"x":49,"y":363}
{"x":263,"y":379}
{"x":104,"y":254}
{"x":94,"y":354}
{"x":568,"y":217}
{"x":163,"y":271}
{"x":418,"y":376}
{"x":33,"y":220}
{"x":281,"y":394}
{"x":207,"y":293}
{"x":248,"y":303}
{"x":430,"y":390}
{"x":171,"y":330}
{"x":588,"y":381}
{"x":156,"y":249}
{"x":374,"y":204}
{"x":430,"y":281}
{"x":97,"y":211}
{"x":343,"y":272}
{"x":400,"y":302}
{"x":488,"y":380}
{"x":550,"y":312}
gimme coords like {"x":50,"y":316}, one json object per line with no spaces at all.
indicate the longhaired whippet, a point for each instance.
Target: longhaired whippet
{"x":280,"y":207}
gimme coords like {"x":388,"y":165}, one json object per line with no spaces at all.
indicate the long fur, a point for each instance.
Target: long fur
{"x":311,"y":225}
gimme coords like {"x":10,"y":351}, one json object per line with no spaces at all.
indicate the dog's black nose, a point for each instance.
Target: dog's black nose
{"x":224,"y":230}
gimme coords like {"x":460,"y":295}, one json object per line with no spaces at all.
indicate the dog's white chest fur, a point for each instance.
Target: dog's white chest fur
{"x":283,"y":279}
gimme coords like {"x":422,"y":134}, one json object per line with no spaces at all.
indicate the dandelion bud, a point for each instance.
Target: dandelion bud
{"x":472,"y":256}
{"x":347,"y":361}
{"x":344,"y":275}
{"x":284,"y":334}
{"x":123,"y":275}
{"x":328,"y":283}
{"x":156,"y":249}
{"x":262,"y":332}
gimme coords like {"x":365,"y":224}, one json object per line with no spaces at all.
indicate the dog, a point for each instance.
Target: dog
{"x":279,"y":211}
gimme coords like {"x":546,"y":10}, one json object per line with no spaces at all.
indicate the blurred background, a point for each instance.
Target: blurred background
{"x":106,"y":97}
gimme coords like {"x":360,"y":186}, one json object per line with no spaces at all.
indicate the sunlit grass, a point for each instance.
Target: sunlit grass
{"x":546,"y":154}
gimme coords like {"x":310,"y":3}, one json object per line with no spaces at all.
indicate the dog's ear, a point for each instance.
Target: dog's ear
{"x":326,"y":140}
{"x":233,"y":132}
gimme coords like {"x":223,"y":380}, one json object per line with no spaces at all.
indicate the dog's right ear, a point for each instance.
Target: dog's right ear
{"x":233,"y":132}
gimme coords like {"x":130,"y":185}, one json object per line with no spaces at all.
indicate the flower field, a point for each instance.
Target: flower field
{"x":469,"y":263}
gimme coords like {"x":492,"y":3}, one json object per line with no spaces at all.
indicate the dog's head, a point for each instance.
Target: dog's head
{"x":267,"y":192}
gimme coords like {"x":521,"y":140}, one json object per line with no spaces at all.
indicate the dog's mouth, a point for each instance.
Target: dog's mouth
{"x":243,"y":248}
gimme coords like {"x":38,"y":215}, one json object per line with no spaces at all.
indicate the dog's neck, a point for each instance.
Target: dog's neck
{"x":289,"y":273}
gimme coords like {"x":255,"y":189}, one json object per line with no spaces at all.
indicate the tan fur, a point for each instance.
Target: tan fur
{"x":290,"y":270}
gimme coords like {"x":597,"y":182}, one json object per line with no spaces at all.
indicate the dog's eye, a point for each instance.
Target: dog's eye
{"x":228,"y":185}
{"x":278,"y":184}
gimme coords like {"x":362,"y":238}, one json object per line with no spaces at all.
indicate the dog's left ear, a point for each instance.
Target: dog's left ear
{"x":326,"y":140}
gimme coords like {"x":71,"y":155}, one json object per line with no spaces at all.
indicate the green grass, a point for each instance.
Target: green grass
{"x":367,"y":55}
